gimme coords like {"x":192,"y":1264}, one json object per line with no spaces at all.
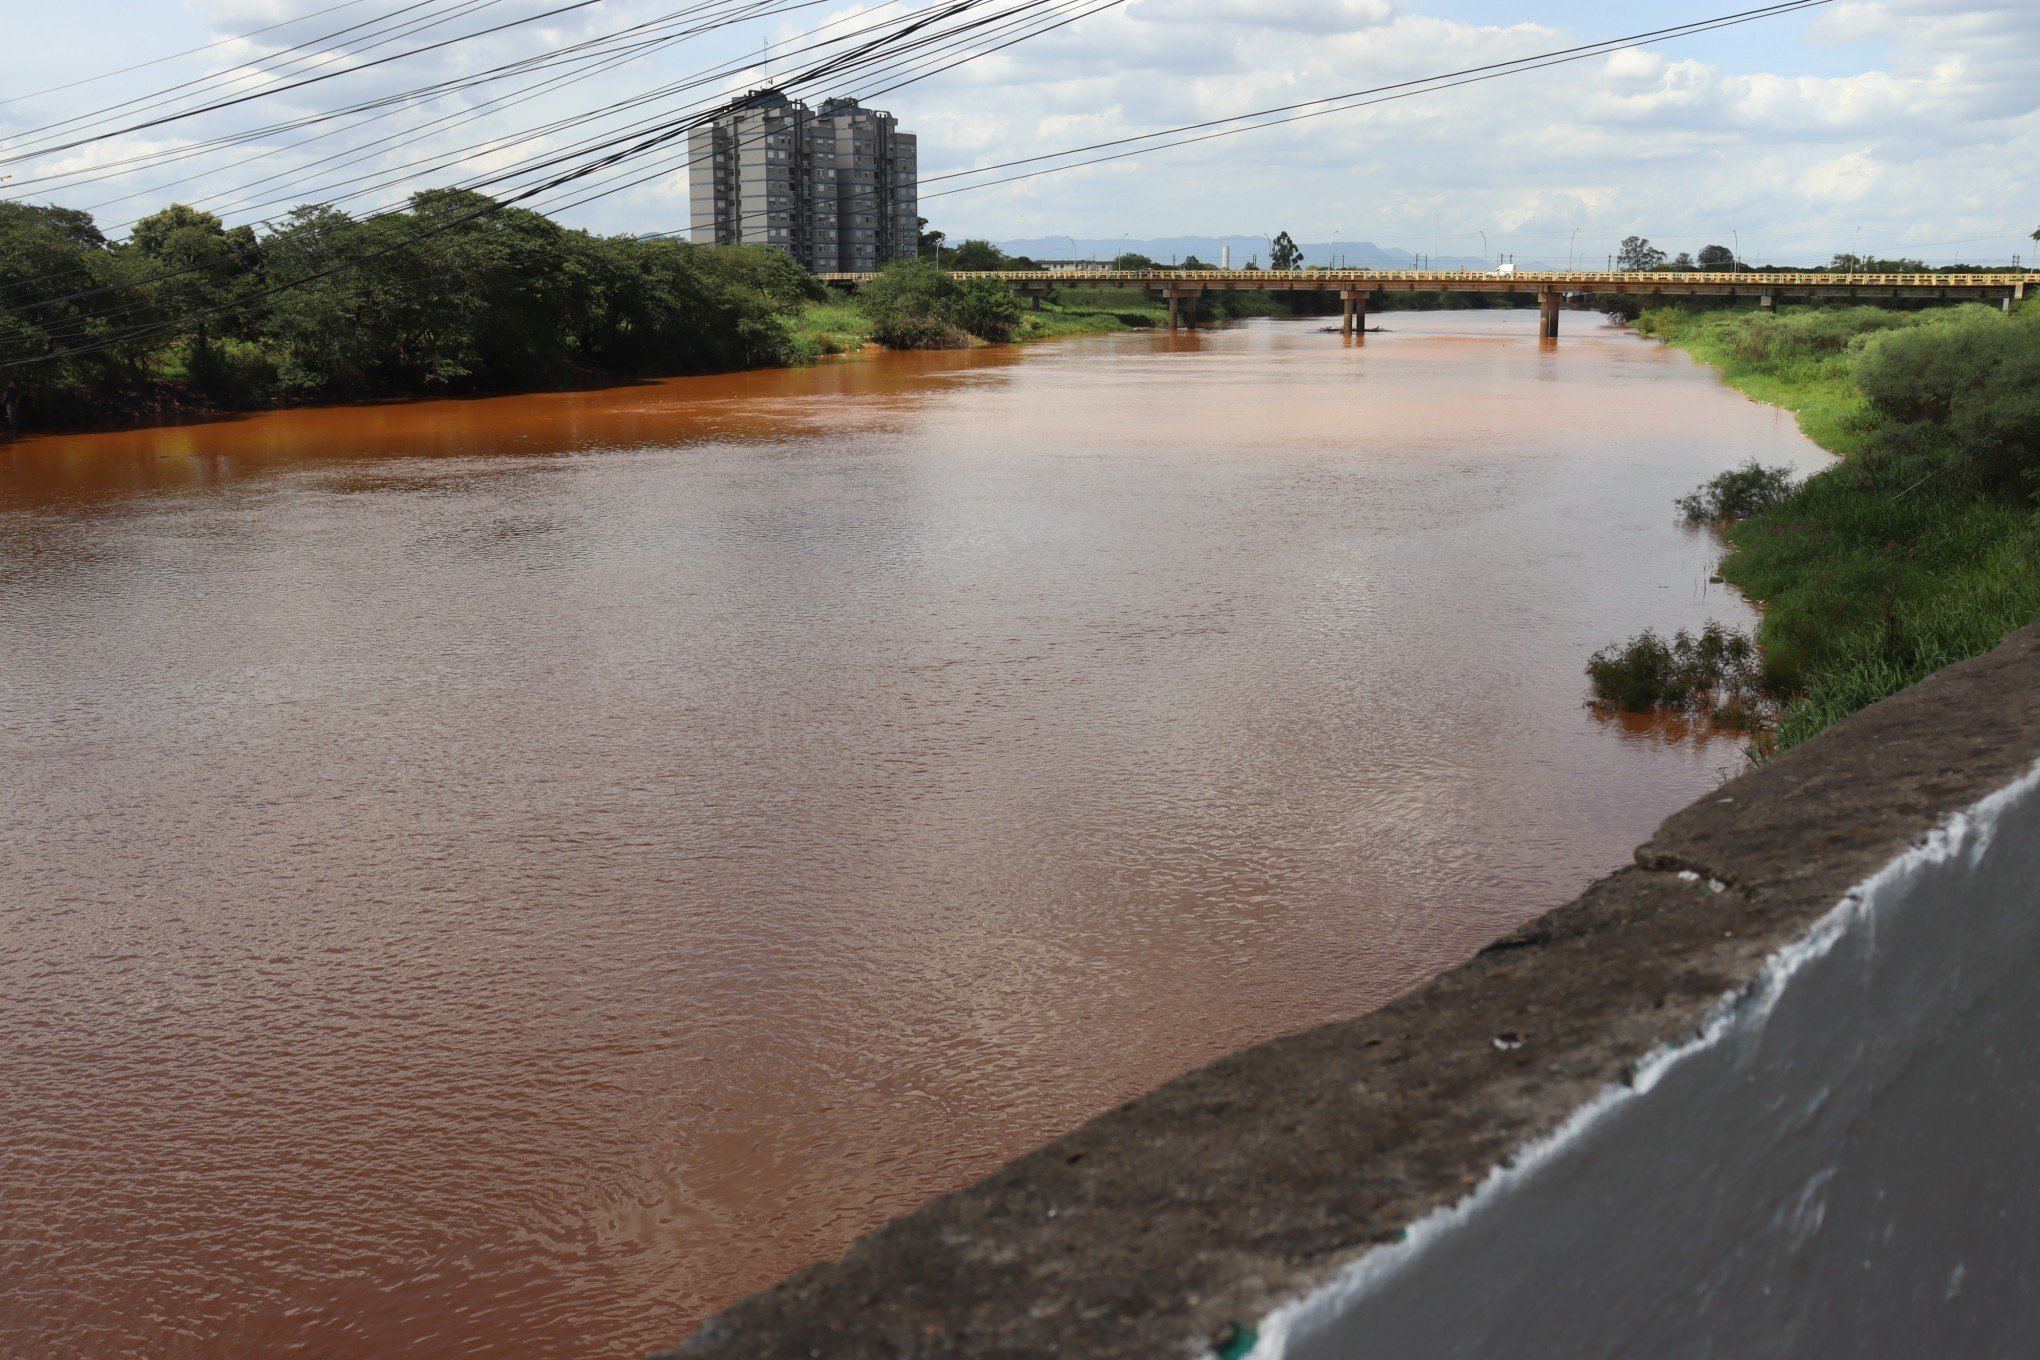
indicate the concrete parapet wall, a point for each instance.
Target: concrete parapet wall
{"x":1772,"y":1091}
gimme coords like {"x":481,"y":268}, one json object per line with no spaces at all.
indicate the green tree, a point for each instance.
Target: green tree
{"x":1638,"y":256}
{"x":929,"y":243}
{"x":1133,"y":259}
{"x":914,"y":305}
{"x":328,"y":332}
{"x":906,"y":288}
{"x":985,"y":308}
{"x":47,"y":255}
{"x":905,"y":301}
{"x":195,"y":270}
{"x":774,"y":274}
{"x":455,"y":292}
{"x":976,"y":255}
{"x":1716,"y":259}
{"x":1284,"y":253}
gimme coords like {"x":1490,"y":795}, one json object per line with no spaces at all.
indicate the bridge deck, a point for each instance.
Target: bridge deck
{"x":2007,"y":284}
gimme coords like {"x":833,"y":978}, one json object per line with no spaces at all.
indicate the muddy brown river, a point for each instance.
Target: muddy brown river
{"x":506,"y":877}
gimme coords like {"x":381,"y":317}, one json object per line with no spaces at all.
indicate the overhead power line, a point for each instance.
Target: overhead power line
{"x":321,"y":51}
{"x":175,"y":56}
{"x":218,"y":105}
{"x":552,"y":156}
{"x":902,"y":41}
{"x":1354,"y":99}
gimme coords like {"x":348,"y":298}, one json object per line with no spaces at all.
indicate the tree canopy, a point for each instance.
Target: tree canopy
{"x":453,"y":293}
{"x":915,"y":305}
{"x":1638,"y":256}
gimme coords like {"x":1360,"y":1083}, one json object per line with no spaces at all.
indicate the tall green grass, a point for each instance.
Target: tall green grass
{"x":831,"y":327}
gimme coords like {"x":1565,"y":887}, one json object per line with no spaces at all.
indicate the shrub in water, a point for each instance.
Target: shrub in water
{"x":1716,"y":672}
{"x":1737,"y":494}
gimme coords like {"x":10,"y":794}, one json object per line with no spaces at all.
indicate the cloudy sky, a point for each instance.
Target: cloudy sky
{"x":1895,"y":126}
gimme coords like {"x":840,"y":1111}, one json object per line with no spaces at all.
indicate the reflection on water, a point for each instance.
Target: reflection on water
{"x":508,"y":876}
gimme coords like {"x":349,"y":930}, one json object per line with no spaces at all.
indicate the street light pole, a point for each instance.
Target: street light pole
{"x":1738,"y":249}
{"x":1569,"y":247}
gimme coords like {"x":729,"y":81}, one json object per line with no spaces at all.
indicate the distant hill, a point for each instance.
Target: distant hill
{"x":1169,"y":249}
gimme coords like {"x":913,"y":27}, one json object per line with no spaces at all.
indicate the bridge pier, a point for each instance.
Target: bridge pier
{"x":1769,"y":302}
{"x":1547,"y":321}
{"x":1176,"y":298}
{"x":1354,"y":320}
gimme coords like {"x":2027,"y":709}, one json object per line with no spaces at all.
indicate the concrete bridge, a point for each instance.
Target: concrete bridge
{"x":1551,"y":287}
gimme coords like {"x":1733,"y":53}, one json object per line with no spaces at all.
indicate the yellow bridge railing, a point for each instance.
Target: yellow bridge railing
{"x":1528,"y":279}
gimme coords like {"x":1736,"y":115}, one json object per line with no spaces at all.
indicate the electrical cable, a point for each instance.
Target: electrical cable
{"x":827,"y":67}
{"x":188,"y":52}
{"x":300,"y":84}
{"x":230,"y":76}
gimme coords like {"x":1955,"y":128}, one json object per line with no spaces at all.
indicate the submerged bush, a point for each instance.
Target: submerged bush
{"x":1717,"y":672}
{"x":1737,"y":494}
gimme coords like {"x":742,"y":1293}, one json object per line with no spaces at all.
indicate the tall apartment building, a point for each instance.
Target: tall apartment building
{"x":834,"y":187}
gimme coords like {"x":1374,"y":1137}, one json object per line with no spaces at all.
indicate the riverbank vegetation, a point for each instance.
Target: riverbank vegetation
{"x":452,"y":294}
{"x":1922,"y":545}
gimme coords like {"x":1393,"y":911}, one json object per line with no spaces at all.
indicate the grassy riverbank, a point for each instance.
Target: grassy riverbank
{"x":839,"y":326}
{"x":1922,"y":545}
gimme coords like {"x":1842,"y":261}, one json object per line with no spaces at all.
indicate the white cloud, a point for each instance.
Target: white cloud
{"x":1845,"y":179}
{"x":1295,"y":16}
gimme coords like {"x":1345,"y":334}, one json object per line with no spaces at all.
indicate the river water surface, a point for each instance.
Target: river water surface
{"x":506,"y":877}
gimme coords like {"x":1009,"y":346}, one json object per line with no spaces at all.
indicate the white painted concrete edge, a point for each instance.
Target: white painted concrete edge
{"x":1311,"y":1327}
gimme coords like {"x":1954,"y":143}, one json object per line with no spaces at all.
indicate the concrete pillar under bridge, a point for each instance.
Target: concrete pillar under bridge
{"x":1354,"y":319}
{"x":1177,"y":296}
{"x":1547,"y":322}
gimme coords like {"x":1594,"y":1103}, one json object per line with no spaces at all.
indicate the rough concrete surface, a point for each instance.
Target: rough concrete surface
{"x":1164,"y":1227}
